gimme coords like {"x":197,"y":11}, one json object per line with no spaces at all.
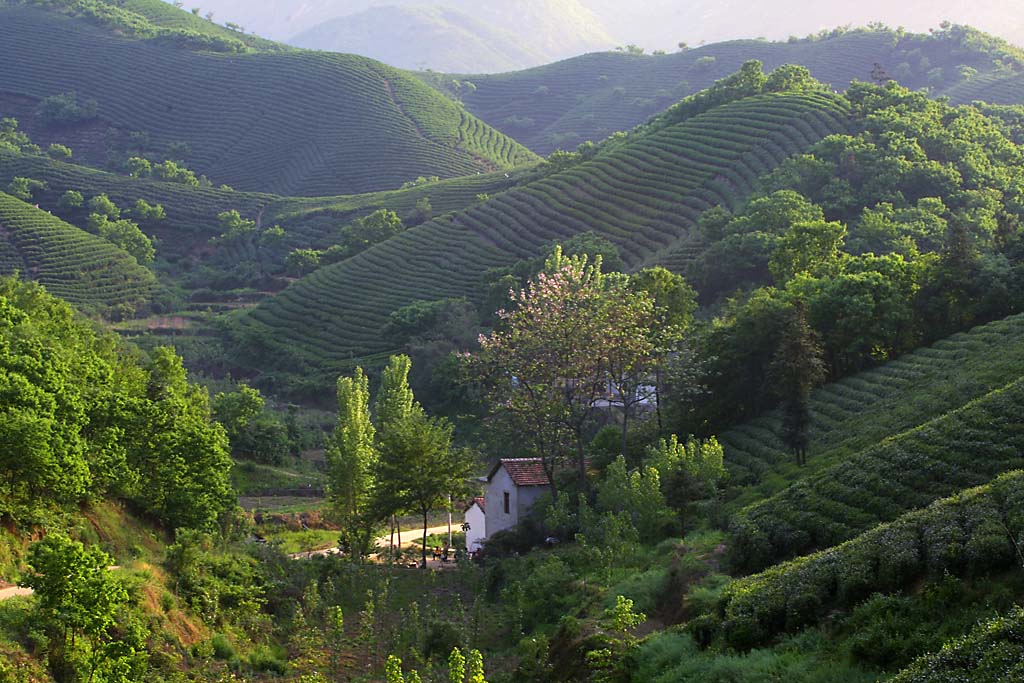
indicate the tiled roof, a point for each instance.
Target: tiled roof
{"x":524,"y":471}
{"x":479,"y":500}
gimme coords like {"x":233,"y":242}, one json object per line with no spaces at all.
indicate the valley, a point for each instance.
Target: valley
{"x":710,"y":362}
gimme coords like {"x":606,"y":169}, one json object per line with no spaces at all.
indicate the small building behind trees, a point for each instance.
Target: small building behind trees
{"x":513,"y":486}
{"x":475,"y":524}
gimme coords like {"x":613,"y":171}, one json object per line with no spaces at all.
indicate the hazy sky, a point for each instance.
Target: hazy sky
{"x":664,"y":23}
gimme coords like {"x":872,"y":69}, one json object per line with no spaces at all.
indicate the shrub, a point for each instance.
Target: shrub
{"x":929,"y":542}
{"x":65,"y":109}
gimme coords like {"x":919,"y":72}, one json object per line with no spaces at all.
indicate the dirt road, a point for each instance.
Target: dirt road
{"x":408,"y":537}
{"x":13,"y":592}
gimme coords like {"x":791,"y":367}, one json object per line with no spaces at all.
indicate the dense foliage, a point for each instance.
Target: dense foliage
{"x":973,"y":533}
{"x":84,"y":418}
{"x":900,"y":233}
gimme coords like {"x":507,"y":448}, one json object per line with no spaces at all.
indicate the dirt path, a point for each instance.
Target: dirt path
{"x":13,"y":592}
{"x":408,"y":538}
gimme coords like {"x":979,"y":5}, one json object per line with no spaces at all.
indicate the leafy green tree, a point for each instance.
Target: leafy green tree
{"x":806,"y":248}
{"x":139,"y":167}
{"x":690,"y":470}
{"x":102,"y":205}
{"x":372,"y":229}
{"x":421,"y":464}
{"x":791,"y":78}
{"x":80,"y":602}
{"x":65,"y":109}
{"x":234,"y":227}
{"x":543,"y":368}
{"x":352,"y":458}
{"x":14,"y":140}
{"x":71,"y":199}
{"x":637,"y":495}
{"x":302,"y":261}
{"x":58,"y":152}
{"x":144,"y":211}
{"x":395,"y":399}
{"x":795,"y":371}
{"x":252,"y":430}
{"x":179,"y":452}
{"x":126,"y":235}
{"x":23,"y":188}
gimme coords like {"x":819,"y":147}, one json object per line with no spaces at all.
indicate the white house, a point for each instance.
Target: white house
{"x":513,"y":486}
{"x":475,"y":525}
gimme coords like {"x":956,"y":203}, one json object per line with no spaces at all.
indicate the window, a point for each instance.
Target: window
{"x":507,"y":507}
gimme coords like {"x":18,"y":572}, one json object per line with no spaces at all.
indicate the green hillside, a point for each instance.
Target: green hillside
{"x":861,"y":410}
{"x":991,"y":88}
{"x":73,"y":264}
{"x":291,"y":123}
{"x":309,"y":222}
{"x":963,"y":448}
{"x":591,"y":97}
{"x":965,"y":535}
{"x":643,"y":196}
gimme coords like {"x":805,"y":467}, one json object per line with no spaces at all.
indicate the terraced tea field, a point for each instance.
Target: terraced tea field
{"x":991,"y":88}
{"x":643,"y":196}
{"x":588,"y":98}
{"x":72,"y":264}
{"x":866,"y":408}
{"x":965,"y":535}
{"x":292,"y":123}
{"x":963,"y":448}
{"x":192,"y":212}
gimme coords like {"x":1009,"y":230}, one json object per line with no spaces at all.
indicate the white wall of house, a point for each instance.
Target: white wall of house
{"x":528,"y":495}
{"x":500,"y":517}
{"x":477,"y":531}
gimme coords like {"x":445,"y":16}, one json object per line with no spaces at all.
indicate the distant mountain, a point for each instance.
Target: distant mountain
{"x":665,"y":23}
{"x":437,"y":38}
{"x":590,"y":97}
{"x":447,"y":35}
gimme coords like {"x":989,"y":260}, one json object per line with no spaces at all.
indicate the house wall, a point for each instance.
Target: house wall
{"x":528,"y":495}
{"x":494,"y":503}
{"x":477,"y":522}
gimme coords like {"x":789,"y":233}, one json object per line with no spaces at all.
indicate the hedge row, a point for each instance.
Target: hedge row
{"x":859,"y":411}
{"x":964,"y":448}
{"x":992,"y":653}
{"x":972,"y":533}
{"x":73,"y":264}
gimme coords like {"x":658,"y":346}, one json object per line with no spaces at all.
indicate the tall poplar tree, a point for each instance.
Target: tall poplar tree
{"x":352,"y":461}
{"x":395,"y":402}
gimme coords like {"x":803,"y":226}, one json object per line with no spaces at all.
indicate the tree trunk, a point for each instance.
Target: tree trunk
{"x":657,"y":399}
{"x":423,"y":550}
{"x":581,"y":460}
{"x":625,"y":426}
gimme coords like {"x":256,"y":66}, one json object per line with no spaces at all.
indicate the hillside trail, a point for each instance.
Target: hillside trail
{"x":409,"y":536}
{"x":13,"y":592}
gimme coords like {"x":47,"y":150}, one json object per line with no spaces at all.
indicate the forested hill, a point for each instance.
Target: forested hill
{"x":292,"y":122}
{"x":560,"y":105}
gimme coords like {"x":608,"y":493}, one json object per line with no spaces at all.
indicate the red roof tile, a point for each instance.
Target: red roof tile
{"x":479,"y":500}
{"x":523,"y":471}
